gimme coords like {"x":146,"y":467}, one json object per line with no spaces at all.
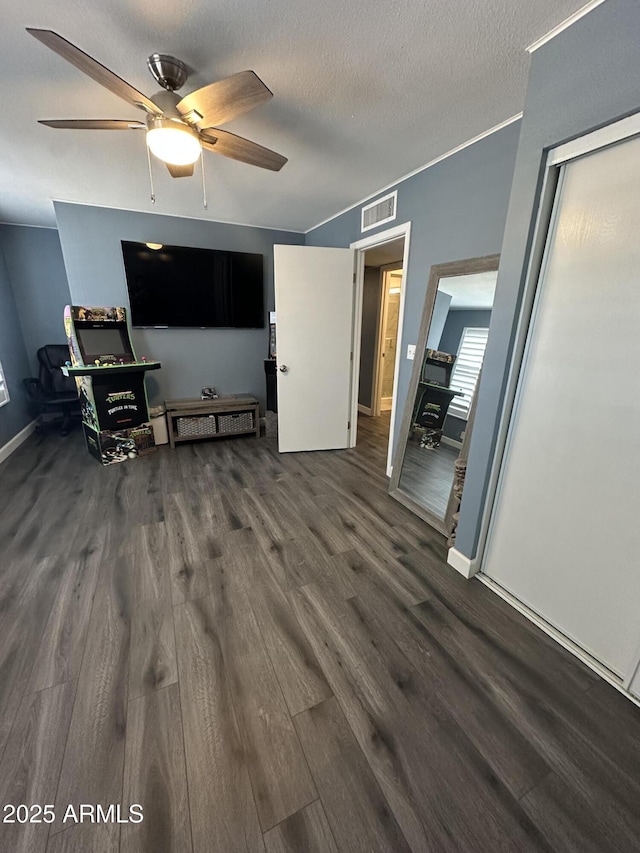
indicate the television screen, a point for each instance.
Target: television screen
{"x":175,"y":286}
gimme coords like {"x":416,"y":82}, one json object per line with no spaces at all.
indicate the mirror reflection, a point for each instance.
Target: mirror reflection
{"x":445,"y":380}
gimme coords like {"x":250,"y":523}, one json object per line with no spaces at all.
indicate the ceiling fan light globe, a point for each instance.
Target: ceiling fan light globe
{"x":173,"y":142}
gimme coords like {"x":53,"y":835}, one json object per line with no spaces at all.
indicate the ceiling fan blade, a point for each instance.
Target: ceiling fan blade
{"x":180,"y":171}
{"x":94,"y":69}
{"x":239,"y":148}
{"x":219,"y":102}
{"x":94,"y":124}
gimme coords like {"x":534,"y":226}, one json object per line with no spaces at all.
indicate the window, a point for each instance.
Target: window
{"x":467,"y":369}
{"x":4,"y":391}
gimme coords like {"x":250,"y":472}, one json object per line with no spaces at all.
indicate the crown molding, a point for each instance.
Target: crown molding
{"x":560,"y":28}
{"x":428,"y":165}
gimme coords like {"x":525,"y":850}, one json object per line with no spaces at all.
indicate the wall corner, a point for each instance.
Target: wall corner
{"x":467,"y":566}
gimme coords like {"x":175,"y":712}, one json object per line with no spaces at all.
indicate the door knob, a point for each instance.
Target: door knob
{"x":283,"y":368}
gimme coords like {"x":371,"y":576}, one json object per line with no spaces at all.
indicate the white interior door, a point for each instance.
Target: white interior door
{"x":565,"y":532}
{"x":314,"y":292}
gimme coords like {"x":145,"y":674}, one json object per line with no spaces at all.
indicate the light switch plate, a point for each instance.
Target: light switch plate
{"x":411,"y":351}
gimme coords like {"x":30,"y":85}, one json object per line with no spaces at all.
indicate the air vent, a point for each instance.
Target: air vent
{"x":380,"y":211}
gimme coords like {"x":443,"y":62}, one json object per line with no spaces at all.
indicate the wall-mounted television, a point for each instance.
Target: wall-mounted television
{"x":181,"y":287}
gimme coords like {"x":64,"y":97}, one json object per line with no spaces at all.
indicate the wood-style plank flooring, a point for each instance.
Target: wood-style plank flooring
{"x":427,"y":475}
{"x":270,"y":654}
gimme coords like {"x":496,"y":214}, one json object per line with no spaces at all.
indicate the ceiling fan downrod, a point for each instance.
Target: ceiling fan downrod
{"x":168,"y":71}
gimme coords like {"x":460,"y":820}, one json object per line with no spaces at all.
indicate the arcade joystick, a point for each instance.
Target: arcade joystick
{"x":97,"y":362}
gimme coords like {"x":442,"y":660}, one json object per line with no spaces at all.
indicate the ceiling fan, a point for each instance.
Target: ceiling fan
{"x":176,"y":128}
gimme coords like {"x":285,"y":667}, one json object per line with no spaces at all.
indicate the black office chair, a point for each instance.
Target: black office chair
{"x":52,"y":391}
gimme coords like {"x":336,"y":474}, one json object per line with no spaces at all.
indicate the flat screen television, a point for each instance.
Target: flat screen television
{"x":180,"y":287}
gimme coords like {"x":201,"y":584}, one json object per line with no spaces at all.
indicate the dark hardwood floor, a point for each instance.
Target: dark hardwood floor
{"x":270,"y":654}
{"x":427,"y":475}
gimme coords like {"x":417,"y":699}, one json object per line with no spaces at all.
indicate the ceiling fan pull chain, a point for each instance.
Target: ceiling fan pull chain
{"x":204,"y":186}
{"x":153,"y":195}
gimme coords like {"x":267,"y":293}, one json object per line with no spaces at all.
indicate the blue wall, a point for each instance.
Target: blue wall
{"x":584,"y":78}
{"x":457,"y":209}
{"x":13,"y":355}
{"x":229,"y":359}
{"x":457,"y":321}
{"x":39,"y":281}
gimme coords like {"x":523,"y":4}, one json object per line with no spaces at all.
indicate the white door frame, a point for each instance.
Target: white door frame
{"x":557,"y":157}
{"x":360,"y":247}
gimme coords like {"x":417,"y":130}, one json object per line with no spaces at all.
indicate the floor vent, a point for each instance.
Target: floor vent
{"x":380,"y":211}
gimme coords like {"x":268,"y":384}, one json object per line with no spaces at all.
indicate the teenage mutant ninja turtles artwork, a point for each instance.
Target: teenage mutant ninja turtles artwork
{"x":109,"y":447}
{"x":87,"y":403}
{"x":116,"y":448}
{"x":114,"y":315}
{"x":111,"y":388}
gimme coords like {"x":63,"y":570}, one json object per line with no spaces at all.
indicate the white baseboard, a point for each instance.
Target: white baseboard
{"x":14,"y":443}
{"x":451,"y":442}
{"x":365,"y":410}
{"x":461,"y":563}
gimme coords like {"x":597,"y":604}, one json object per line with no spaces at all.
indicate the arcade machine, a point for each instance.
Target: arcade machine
{"x":433,"y":398}
{"x":110,"y":382}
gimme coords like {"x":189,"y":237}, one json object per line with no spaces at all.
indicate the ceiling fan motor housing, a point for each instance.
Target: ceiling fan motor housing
{"x":167,"y":101}
{"x":169,"y":72}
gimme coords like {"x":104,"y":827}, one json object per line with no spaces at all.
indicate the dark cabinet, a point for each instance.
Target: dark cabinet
{"x":270,"y":369}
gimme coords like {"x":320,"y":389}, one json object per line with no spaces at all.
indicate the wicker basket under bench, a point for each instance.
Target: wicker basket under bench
{"x":192,"y":419}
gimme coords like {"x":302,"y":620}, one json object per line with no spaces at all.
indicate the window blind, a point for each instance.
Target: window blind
{"x":467,"y":369}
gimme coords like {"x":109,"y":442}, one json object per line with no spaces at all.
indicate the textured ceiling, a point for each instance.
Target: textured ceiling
{"x":363,"y":93}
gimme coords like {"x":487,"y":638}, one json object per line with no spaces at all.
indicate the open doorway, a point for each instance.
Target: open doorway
{"x":388,"y":338}
{"x":379,"y":337}
{"x":381,"y":297}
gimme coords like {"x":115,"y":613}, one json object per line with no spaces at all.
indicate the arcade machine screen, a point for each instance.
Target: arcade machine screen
{"x":437,"y":373}
{"x":106,"y":344}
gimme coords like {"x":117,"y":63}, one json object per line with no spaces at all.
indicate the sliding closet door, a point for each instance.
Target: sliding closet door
{"x":565,"y":534}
